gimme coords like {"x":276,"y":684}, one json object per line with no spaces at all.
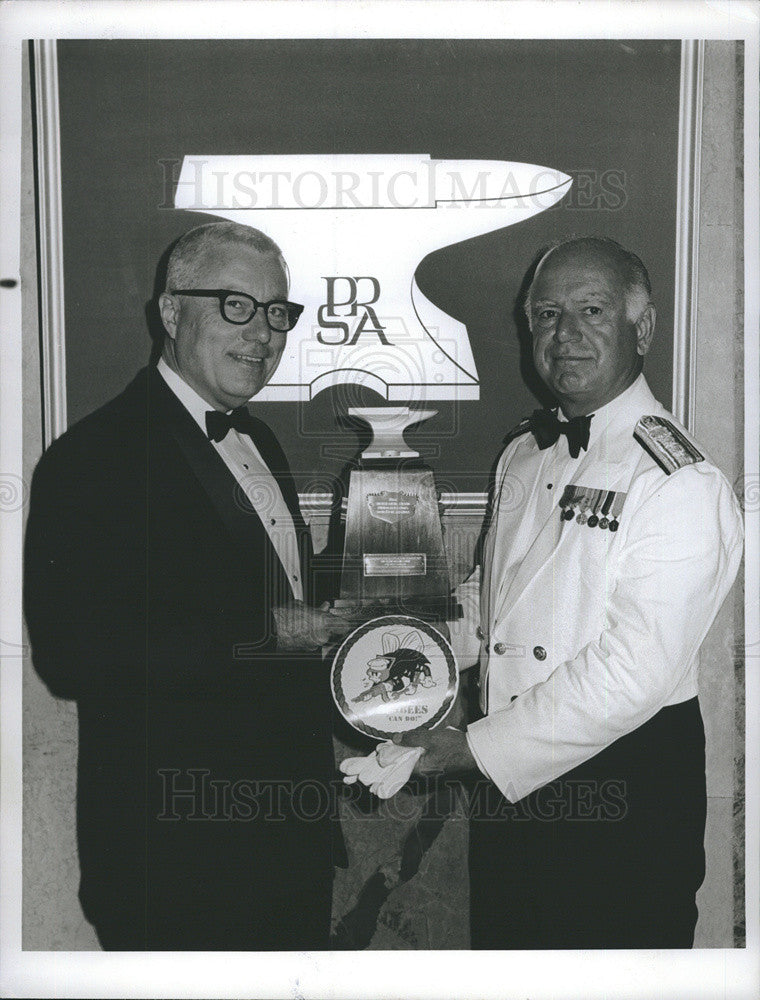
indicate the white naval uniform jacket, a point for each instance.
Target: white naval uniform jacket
{"x":588,"y":633}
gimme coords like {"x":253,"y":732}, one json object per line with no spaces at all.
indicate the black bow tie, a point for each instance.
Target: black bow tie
{"x":547,"y":428}
{"x":218,"y":424}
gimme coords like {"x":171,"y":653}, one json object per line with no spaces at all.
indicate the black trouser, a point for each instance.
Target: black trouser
{"x":284,"y":917}
{"x":610,"y":855}
{"x":207,"y":824}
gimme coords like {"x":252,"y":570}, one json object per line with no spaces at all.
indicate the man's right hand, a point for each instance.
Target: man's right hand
{"x":301,"y":628}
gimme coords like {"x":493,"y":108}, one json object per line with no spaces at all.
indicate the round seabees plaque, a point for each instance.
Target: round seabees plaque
{"x":394,"y":674}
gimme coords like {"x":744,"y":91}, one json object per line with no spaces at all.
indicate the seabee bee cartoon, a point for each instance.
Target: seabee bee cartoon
{"x":399,"y":670}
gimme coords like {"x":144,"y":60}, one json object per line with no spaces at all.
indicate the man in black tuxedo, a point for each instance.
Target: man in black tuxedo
{"x":167,"y":591}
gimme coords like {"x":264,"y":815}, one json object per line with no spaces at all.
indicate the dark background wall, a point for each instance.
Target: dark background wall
{"x":605,"y":112}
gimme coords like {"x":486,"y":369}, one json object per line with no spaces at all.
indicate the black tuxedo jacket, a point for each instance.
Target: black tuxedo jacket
{"x":205,"y":757}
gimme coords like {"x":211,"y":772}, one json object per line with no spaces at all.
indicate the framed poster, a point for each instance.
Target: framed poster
{"x":506,"y":101}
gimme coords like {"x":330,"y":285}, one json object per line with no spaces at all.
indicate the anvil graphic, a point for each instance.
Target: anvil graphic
{"x":353,"y":230}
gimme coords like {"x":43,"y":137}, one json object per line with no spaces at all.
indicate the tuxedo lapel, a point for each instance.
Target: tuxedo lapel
{"x":274,"y":457}
{"x":215,"y":479}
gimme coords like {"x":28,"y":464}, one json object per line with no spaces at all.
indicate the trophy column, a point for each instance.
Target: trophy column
{"x":394,"y":560}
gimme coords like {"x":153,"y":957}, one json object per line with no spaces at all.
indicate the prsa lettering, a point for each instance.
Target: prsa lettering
{"x":332,"y":317}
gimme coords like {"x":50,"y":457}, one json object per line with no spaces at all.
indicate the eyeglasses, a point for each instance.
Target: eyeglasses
{"x":239,"y":308}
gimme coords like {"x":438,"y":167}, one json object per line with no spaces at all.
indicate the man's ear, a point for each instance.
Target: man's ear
{"x":645,"y":329}
{"x":168,"y":306}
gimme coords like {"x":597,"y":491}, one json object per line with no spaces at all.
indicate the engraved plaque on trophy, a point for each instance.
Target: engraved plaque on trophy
{"x":394,"y":559}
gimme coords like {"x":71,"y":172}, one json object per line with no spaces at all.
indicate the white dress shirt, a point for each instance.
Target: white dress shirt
{"x":242,"y":458}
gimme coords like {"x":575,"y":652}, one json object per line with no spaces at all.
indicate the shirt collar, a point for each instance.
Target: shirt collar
{"x":195,"y":405}
{"x":634,"y":401}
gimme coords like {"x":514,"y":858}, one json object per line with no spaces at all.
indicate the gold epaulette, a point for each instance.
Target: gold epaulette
{"x":666,"y":444}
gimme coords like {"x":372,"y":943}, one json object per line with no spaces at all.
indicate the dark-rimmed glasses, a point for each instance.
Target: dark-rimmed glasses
{"x":240,"y":308}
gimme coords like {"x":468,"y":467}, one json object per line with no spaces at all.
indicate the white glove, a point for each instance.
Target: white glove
{"x":385,"y":770}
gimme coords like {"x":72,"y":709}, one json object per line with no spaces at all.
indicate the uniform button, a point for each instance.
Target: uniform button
{"x":480,"y":633}
{"x":539,"y":652}
{"x":500,"y":648}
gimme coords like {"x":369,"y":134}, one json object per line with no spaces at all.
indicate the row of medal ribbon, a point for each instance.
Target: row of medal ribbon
{"x":596,"y":508}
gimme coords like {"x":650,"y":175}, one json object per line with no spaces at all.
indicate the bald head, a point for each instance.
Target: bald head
{"x":606,"y":253}
{"x":591,"y":321}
